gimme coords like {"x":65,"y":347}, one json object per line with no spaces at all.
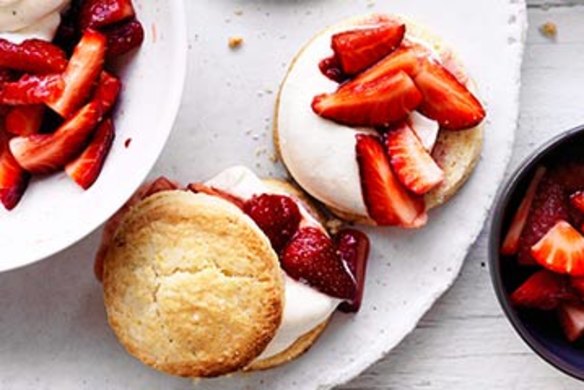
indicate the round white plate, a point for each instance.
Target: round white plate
{"x":55,"y":212}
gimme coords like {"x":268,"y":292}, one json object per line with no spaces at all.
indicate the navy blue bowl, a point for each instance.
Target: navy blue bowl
{"x":539,"y":329}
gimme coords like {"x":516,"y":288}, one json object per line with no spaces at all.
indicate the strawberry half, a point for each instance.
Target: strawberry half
{"x":32,"y":89}
{"x":278,"y":216}
{"x":511,"y":243}
{"x":83,"y":69}
{"x":311,"y":256}
{"x":408,"y":59}
{"x":107,"y":91}
{"x":446,"y":100}
{"x":358,"y":49}
{"x":32,"y":56}
{"x":549,"y":206}
{"x":378,"y":103}
{"x":46,"y":153}
{"x":205,"y":189}
{"x":571,"y":317}
{"x":100,"y":13}
{"x":24,"y":120}
{"x":13,"y":179}
{"x":561,"y":250}
{"x":387,"y":201}
{"x":331,"y":68}
{"x":123,"y":38}
{"x":85,"y":169}
{"x":353,"y":249}
{"x":577,"y":201}
{"x":543,"y":290}
{"x":410,"y":161}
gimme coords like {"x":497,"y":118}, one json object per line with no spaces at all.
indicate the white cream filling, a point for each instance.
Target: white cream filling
{"x":30,"y":19}
{"x":304,"y":307}
{"x":319,"y":153}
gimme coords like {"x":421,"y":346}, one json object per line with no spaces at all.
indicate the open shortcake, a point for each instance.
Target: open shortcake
{"x":236,"y":273}
{"x":377,"y":119}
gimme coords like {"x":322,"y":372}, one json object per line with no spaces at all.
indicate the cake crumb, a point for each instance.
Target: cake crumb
{"x":238,"y":12}
{"x":235,"y":41}
{"x":549,"y":29}
{"x":371,"y":3}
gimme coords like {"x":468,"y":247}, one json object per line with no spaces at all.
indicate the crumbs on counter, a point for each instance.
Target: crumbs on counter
{"x":127,"y":143}
{"x":549,"y":29}
{"x":235,"y":41}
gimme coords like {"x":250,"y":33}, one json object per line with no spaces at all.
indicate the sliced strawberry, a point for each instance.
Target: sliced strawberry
{"x":511,"y":243}
{"x":32,"y":89}
{"x":205,"y":189}
{"x":32,"y":56}
{"x":577,"y":201}
{"x":122,"y":39}
{"x":85,"y":169}
{"x":46,"y":153}
{"x":100,"y":13}
{"x":147,"y":189}
{"x":107,"y":91}
{"x":83,"y":69}
{"x":331,"y":68}
{"x":412,"y":164}
{"x":408,"y":59}
{"x":278,"y":216}
{"x":311,"y":257}
{"x":379,"y":103}
{"x":577,"y":284}
{"x":359,"y":49}
{"x":446,"y":99}
{"x":543,"y":290}
{"x":24,"y":120}
{"x":571,"y":317}
{"x":388,"y":202}
{"x":13,"y":179}
{"x":6,"y":75}
{"x":561,"y":250}
{"x":570,"y":175}
{"x":549,"y":206}
{"x":353,"y":249}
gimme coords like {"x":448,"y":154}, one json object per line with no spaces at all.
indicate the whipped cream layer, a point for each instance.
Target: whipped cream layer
{"x":29,"y":19}
{"x":304,"y":307}
{"x":319,"y":153}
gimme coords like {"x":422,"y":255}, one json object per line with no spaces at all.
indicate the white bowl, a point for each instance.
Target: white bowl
{"x":54,"y":212}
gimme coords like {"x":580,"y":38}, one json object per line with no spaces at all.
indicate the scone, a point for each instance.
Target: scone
{"x":232,"y":274}
{"x":384,"y":126}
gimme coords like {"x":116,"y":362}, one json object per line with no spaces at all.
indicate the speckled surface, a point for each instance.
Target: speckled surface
{"x":52,"y":318}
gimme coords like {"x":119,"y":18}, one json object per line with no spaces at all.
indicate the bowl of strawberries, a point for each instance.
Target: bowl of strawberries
{"x":89,"y":91}
{"x":537,"y":251}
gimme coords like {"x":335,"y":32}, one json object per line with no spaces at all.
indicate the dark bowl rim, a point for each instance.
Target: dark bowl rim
{"x":494,"y":232}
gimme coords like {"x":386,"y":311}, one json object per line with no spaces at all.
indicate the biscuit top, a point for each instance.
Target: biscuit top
{"x":192,"y":286}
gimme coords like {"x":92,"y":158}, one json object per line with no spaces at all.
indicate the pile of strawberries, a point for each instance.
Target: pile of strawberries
{"x":383,"y":78}
{"x":546,"y":235}
{"x":56,"y":97}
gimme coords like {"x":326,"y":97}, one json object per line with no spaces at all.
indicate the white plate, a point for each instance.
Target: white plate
{"x":54,"y":212}
{"x":53,"y":323}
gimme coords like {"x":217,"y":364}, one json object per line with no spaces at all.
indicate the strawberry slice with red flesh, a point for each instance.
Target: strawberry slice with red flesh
{"x":549,"y":206}
{"x":205,"y":189}
{"x":85,"y":169}
{"x":408,"y":59}
{"x":100,"y":13}
{"x":577,"y":283}
{"x":32,"y":56}
{"x":561,"y":250}
{"x":276,"y":215}
{"x":387,"y":200}
{"x":577,"y":201}
{"x":47,"y":153}
{"x":32,"y":89}
{"x":410,"y":161}
{"x":446,"y":100}
{"x":511,"y":243}
{"x":571,"y":316}
{"x":359,"y":49}
{"x":111,"y":226}
{"x":311,"y":256}
{"x":123,"y":38}
{"x":378,"y":103}
{"x":543,"y":290}
{"x":331,"y":68}
{"x":107,"y":91}
{"x":24,"y":120}
{"x":13,"y":179}
{"x":83,"y":69}
{"x":353,"y":249}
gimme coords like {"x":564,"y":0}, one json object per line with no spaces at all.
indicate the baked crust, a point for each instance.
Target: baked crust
{"x":192,"y":287}
{"x":456,"y":152}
